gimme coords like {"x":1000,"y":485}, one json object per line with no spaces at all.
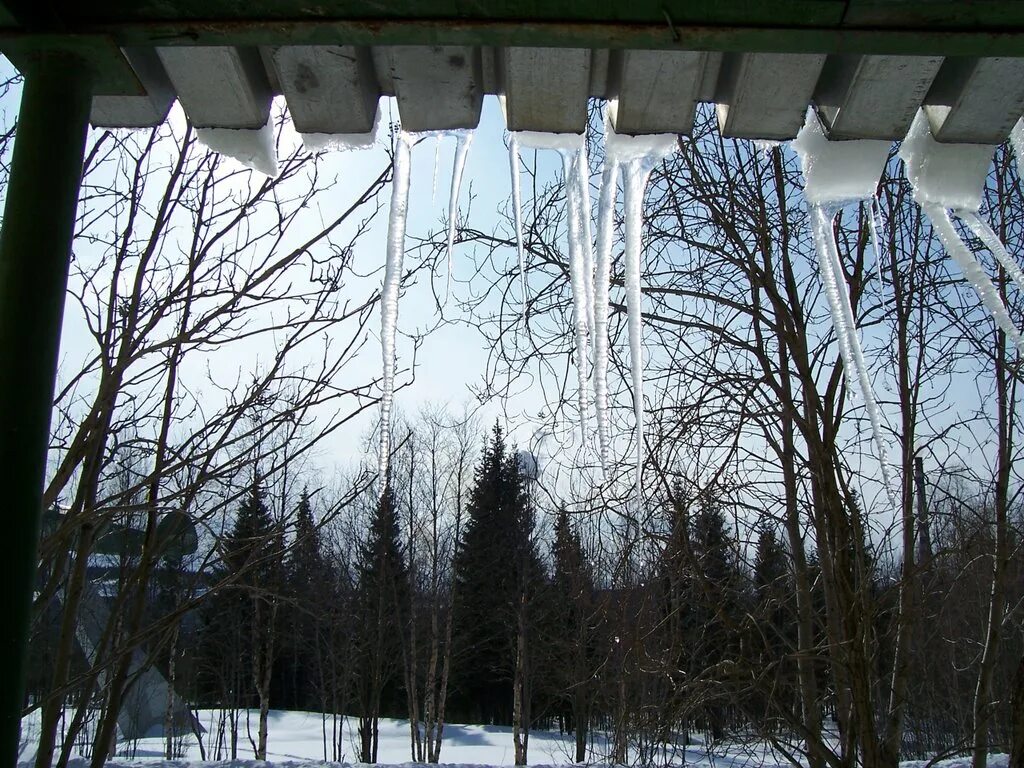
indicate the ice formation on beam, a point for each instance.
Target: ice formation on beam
{"x":637,"y":156}
{"x":253,"y":148}
{"x":836,"y":173}
{"x":952,"y":176}
{"x":325,"y":142}
{"x":389,"y":294}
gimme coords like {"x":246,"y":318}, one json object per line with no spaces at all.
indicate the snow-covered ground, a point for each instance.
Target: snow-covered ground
{"x":296,"y":740}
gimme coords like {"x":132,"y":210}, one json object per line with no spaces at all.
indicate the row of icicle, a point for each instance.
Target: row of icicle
{"x":632,"y":159}
{"x":944,"y":177}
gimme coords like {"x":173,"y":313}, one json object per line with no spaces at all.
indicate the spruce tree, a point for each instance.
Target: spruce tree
{"x":240,"y":625}
{"x":382,"y":596}
{"x":775,"y":630}
{"x":497,"y":571}
{"x":310,"y":586}
{"x":572,"y":661}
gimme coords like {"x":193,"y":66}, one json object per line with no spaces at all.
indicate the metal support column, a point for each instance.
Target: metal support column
{"x":35,"y":248}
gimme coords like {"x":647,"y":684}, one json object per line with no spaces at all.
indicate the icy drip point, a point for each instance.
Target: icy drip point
{"x":638,"y":156}
{"x":947,"y":175}
{"x":578,"y":278}
{"x":837,"y":172}
{"x":465,"y":140}
{"x":341,"y":142}
{"x":389,"y":294}
{"x":253,"y":148}
{"x":972,"y":271}
{"x":517,"y":206}
{"x":602,"y":283}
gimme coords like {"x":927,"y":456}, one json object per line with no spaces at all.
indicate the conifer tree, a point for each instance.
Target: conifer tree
{"x":497,"y":572}
{"x":572,"y":663}
{"x":382,"y":596}
{"x":240,"y":622}
{"x":311,"y":591}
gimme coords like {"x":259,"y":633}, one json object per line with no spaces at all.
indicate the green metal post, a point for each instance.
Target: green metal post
{"x":35,"y":248}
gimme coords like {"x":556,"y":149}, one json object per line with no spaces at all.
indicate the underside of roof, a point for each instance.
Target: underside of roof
{"x":865,"y":65}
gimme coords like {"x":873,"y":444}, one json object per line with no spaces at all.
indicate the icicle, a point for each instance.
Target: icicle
{"x":972,"y":271}
{"x":846,"y":332}
{"x":637,"y":155}
{"x":992,"y":242}
{"x":513,"y":162}
{"x":1017,"y":142}
{"x":876,"y":246}
{"x":633,"y":198}
{"x":583,"y":179}
{"x":602,"y":283}
{"x":953,"y":176}
{"x":389,"y":294}
{"x":837,"y":172}
{"x":578,"y":278}
{"x":437,"y":163}
{"x":465,"y":140}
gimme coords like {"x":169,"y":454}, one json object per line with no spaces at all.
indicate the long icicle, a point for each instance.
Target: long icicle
{"x":517,"y":211}
{"x":846,"y":333}
{"x":389,"y":294}
{"x":876,"y":245}
{"x":991,"y":240}
{"x":602,"y":284}
{"x":972,"y":271}
{"x":437,"y":163}
{"x":635,"y":181}
{"x":580,"y":313}
{"x":583,"y":179}
{"x":465,"y":141}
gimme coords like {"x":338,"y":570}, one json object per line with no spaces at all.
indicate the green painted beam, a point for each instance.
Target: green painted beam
{"x":35,"y":249}
{"x":968,"y":28}
{"x":112,"y":75}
